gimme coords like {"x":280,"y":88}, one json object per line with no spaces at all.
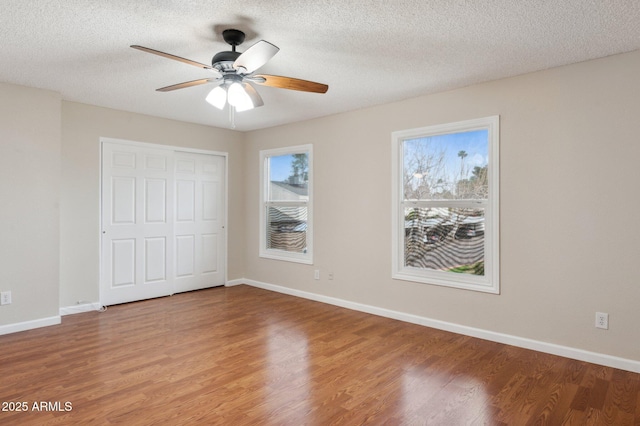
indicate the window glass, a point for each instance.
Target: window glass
{"x":287,"y":228}
{"x":449,"y":167}
{"x":289,"y":177}
{"x":445,"y":239}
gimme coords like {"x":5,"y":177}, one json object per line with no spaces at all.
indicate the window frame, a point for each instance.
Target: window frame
{"x":265,"y":204}
{"x":490,"y":281}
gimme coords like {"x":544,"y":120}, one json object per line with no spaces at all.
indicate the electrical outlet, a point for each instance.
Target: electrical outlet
{"x":316,"y":274}
{"x":5,"y":298}
{"x":602,"y":320}
{"x":330,"y":275}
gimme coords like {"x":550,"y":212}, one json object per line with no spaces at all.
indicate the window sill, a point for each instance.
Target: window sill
{"x":464,"y":282}
{"x":287,"y":257}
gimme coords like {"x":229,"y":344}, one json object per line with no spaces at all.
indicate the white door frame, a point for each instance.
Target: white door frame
{"x":172,"y":148}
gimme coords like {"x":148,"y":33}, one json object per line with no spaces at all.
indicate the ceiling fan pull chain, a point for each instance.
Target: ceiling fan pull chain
{"x":232,"y":116}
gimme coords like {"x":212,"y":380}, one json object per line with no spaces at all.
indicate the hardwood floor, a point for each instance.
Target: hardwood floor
{"x":241,"y":355}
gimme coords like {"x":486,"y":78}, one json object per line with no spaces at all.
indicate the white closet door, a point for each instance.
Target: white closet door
{"x":162,"y":222}
{"x":137,"y":223}
{"x":199,"y":221}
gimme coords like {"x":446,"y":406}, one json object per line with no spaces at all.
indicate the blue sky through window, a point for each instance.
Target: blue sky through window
{"x":280,"y":167}
{"x":433,"y":164}
{"x":474,"y":143}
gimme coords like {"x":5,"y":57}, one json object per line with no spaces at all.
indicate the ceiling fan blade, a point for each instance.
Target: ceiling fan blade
{"x":256,"y":99}
{"x":188,"y":84}
{"x":175,"y":58}
{"x":255,"y":56}
{"x":289,"y":83}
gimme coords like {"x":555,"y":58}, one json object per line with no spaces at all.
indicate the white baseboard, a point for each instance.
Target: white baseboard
{"x":29,"y":325}
{"x":77,"y":309}
{"x":522,"y":342}
{"x":235,"y":282}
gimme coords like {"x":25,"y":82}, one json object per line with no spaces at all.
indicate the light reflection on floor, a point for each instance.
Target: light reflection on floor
{"x":288,"y":381}
{"x":434,"y":398}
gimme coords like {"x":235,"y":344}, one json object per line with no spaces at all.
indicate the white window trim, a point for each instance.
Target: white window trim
{"x":307,"y":257}
{"x":490,"y":282}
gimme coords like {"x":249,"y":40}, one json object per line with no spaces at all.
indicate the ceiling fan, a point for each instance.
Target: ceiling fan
{"x":233,"y":74}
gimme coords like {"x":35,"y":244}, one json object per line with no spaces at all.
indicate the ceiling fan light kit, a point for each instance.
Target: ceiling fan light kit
{"x":233,"y":74}
{"x":238,"y":97}
{"x":217,"y":97}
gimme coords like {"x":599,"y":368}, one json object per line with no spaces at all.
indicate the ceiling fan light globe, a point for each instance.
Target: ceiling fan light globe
{"x":239,"y":98}
{"x":217,"y":97}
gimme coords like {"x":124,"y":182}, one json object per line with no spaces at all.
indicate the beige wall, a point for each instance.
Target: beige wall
{"x":569,"y":200}
{"x":82,"y":127}
{"x":29,"y":200}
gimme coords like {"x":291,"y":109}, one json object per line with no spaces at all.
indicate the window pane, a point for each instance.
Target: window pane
{"x":287,"y":228}
{"x":444,"y":239}
{"x":452,"y":166}
{"x":289,"y":177}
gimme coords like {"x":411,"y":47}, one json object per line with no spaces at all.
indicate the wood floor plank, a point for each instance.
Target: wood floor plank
{"x":245,"y":356}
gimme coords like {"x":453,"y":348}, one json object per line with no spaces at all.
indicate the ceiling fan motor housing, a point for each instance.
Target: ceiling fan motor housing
{"x":223,"y":61}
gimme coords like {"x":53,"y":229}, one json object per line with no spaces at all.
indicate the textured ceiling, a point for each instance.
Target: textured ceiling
{"x":368,"y":52}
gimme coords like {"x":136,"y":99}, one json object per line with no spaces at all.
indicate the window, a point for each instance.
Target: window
{"x":445,"y":210}
{"x":286,"y":204}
